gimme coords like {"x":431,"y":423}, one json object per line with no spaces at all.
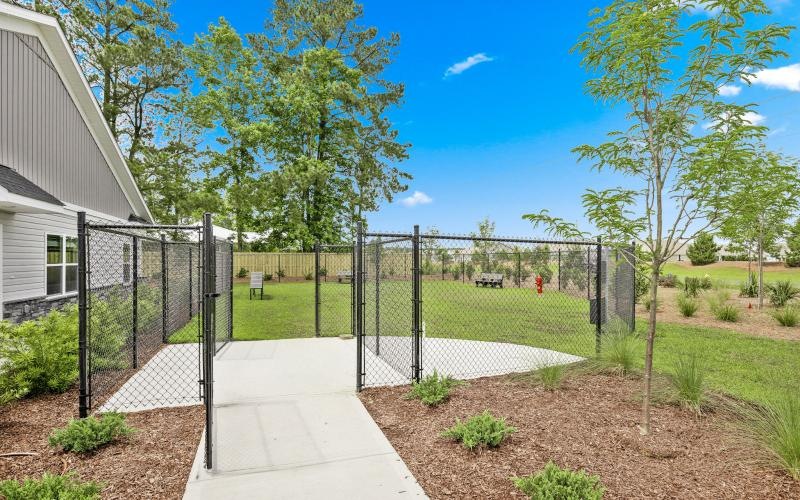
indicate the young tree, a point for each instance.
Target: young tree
{"x":665,"y":64}
{"x":765,"y":197}
{"x":793,"y":245}
{"x":703,"y":250}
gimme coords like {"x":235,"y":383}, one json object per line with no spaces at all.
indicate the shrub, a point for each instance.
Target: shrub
{"x":687,"y":305}
{"x":456,"y":272}
{"x":726,"y":312}
{"x":480,"y":430}
{"x":787,"y":316}
{"x":668,"y":281}
{"x":433,"y":389}
{"x":39,"y":356}
{"x":242,"y":272}
{"x":703,"y":250}
{"x":775,"y":430}
{"x":309,"y":276}
{"x":50,"y":486}
{"x":692,"y":286}
{"x":551,"y":377}
{"x":749,"y":288}
{"x":620,"y":352}
{"x":469,"y":270}
{"x":322,"y":272}
{"x":793,"y":246}
{"x":268,"y":276}
{"x":281,"y":273}
{"x":90,"y":433}
{"x":688,"y":381}
{"x":555,"y":483}
{"x":546,"y":273}
{"x":781,"y":292}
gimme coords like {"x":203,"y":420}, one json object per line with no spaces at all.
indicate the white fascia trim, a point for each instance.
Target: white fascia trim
{"x":47,"y":29}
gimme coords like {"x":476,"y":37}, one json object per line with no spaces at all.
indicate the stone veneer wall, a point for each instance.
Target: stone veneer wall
{"x":27,"y":309}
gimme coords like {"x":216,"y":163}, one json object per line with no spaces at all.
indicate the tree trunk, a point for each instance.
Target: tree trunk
{"x":644,"y":428}
{"x":761,"y":266}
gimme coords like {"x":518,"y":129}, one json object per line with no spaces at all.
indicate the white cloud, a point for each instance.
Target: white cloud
{"x":418,"y":198}
{"x":729,"y":90}
{"x":467,"y":63}
{"x":785,"y":77}
{"x":751,"y":117}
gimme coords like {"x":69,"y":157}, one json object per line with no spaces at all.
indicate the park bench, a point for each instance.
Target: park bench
{"x":345,"y":276}
{"x":256,"y":284}
{"x":490,"y":279}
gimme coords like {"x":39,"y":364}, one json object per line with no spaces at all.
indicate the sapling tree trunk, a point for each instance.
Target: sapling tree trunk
{"x":651,"y":336}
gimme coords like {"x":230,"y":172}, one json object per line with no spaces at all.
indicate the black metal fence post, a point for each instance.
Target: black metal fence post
{"x":589,"y":273}
{"x":83,"y":352}
{"x":164,"y":290}
{"x":559,"y":269}
{"x":463,"y":270}
{"x":135,"y":299}
{"x":279,"y":268}
{"x":599,"y":295}
{"x":353,"y":305}
{"x":416,"y":290}
{"x":378,"y":298}
{"x":519,"y":271}
{"x":209,"y":288}
{"x":316,"y":290}
{"x":358,"y":278}
{"x":191,"y":292}
{"x":230,"y":294}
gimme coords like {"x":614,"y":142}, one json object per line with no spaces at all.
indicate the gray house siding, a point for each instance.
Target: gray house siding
{"x":43,"y":136}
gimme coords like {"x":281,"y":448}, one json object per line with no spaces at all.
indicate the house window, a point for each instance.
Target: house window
{"x":126,"y":262}
{"x":62,"y":264}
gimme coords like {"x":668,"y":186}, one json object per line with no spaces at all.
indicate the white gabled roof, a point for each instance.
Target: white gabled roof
{"x":48,"y":31}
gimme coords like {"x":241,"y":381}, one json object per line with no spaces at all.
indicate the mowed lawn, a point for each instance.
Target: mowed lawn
{"x":753,"y":368}
{"x":732,"y":274}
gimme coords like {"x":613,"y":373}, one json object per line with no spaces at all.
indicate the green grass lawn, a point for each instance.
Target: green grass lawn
{"x":732,"y":275}
{"x":752,"y":368}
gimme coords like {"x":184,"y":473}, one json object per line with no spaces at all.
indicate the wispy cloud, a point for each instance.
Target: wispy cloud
{"x":462,"y":66}
{"x":750,"y":117}
{"x":729,"y":90}
{"x":418,"y":198}
{"x":785,"y":77}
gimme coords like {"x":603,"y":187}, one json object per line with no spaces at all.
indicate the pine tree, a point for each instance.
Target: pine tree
{"x":703,"y":250}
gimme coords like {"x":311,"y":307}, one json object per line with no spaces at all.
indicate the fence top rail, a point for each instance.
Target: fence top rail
{"x":331,"y":245}
{"x":509,"y":240}
{"x":145,"y":226}
{"x":123,"y":233}
{"x":389,"y":241}
{"x":388,"y":235}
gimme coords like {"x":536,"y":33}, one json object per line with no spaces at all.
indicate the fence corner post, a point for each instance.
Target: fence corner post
{"x":83,"y":351}
{"x":164,"y":290}
{"x":357,"y":275}
{"x":316,"y":290}
{"x":416,"y":290}
{"x":599,"y":295}
{"x":135,"y":299}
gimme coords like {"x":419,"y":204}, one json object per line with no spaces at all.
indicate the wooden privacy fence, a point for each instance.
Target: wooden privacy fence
{"x":293,"y":265}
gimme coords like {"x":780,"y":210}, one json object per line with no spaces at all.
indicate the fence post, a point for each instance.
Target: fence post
{"x":316,"y":289}
{"x":378,"y":298}
{"x":353,"y":291}
{"x":519,"y":271}
{"x":135,"y":301}
{"x":164,"y":290}
{"x":599,"y":294}
{"x":230,"y":294}
{"x":83,"y":352}
{"x":416,"y":290}
{"x":559,"y":269}
{"x":589,"y":272}
{"x":279,"y":268}
{"x":358,"y":278}
{"x":209,"y":347}
{"x":191,"y":298}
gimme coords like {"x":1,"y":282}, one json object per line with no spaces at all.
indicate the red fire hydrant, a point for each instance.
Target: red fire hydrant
{"x":539,"y":284}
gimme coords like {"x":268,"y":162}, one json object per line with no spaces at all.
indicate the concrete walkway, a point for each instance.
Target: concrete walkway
{"x":289,"y":425}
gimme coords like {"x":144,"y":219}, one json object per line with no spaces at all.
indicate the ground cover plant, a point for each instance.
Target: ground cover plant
{"x":50,"y":486}
{"x":551,"y":377}
{"x":787,"y":316}
{"x":480,"y":431}
{"x":90,"y":433}
{"x":688,"y":381}
{"x":774,"y":428}
{"x":553,"y":482}
{"x":781,"y":292}
{"x":433,"y":389}
{"x":687,"y":305}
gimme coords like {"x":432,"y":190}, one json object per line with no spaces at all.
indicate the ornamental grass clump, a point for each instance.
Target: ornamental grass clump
{"x":781,"y":292}
{"x":482,"y":430}
{"x":433,"y":389}
{"x":687,"y":305}
{"x":555,"y":483}
{"x":774,"y":430}
{"x":90,"y":433}
{"x":688,"y":382}
{"x":787,"y":316}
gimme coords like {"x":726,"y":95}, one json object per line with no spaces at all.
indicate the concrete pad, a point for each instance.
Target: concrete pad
{"x":169,"y":379}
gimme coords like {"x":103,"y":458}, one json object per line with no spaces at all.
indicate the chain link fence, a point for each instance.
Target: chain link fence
{"x":468,"y":306}
{"x":334,"y":290}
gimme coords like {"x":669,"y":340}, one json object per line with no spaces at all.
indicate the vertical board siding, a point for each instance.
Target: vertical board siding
{"x":294,"y":265}
{"x":43,"y":136}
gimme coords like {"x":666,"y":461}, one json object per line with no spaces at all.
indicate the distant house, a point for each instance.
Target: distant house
{"x":57,"y":157}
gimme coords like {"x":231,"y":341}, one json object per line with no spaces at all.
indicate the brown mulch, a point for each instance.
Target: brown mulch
{"x":591,"y":424}
{"x":751,"y":320}
{"x":153,"y":463}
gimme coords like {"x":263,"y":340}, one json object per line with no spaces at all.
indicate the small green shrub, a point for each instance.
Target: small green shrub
{"x":555,"y":483}
{"x":456,"y":272}
{"x":749,"y":288}
{"x":726,"y":312}
{"x":39,"y":356}
{"x":703,"y":250}
{"x":551,"y":377}
{"x":688,"y":381}
{"x":242,"y":273}
{"x":433,"y":389}
{"x":480,"y":430}
{"x":668,"y":281}
{"x":268,"y":276}
{"x":309,"y":276}
{"x":687,"y":305}
{"x":281,"y":273}
{"x":469,"y":270}
{"x":692,"y":286}
{"x":775,"y":430}
{"x":50,"y":486}
{"x":787,"y":316}
{"x":322,"y":272}
{"x":781,"y":292}
{"x":90,"y":433}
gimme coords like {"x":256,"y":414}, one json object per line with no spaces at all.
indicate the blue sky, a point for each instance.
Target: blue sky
{"x":494,"y":139}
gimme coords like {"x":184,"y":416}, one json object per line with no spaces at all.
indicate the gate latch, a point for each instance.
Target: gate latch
{"x":212,"y":295}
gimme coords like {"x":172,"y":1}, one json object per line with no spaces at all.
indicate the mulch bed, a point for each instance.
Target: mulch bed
{"x":153,"y":463}
{"x":591,"y":424}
